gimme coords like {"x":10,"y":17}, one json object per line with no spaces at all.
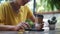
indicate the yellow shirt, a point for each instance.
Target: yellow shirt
{"x":9,"y":17}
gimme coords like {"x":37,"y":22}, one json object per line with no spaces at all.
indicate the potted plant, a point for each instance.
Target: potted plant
{"x":52,"y":23}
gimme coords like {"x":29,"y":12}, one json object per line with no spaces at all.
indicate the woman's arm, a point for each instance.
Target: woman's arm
{"x":8,"y":28}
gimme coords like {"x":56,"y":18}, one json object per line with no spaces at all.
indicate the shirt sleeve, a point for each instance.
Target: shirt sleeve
{"x":29,"y":13}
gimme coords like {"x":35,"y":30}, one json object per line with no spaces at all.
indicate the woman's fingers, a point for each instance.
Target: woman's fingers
{"x":25,"y":25}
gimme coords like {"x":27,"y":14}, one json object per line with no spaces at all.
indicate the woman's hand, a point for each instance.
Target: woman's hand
{"x":22,"y":25}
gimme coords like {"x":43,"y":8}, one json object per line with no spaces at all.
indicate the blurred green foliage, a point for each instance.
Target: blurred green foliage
{"x":49,"y":5}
